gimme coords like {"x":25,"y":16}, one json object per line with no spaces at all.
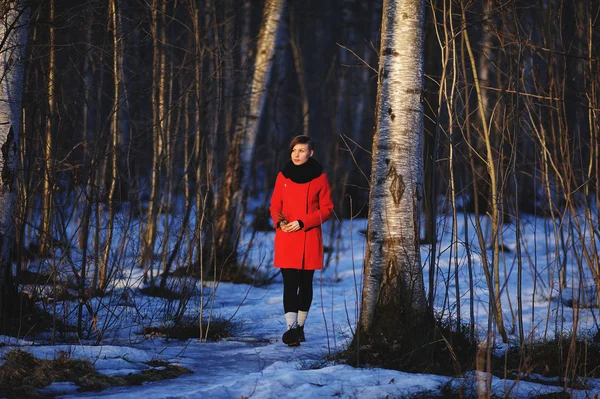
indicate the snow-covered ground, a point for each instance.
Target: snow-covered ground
{"x":255,"y":364}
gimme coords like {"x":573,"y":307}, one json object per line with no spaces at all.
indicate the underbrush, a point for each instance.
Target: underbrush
{"x":20,"y":318}
{"x":564,"y":362}
{"x":444,"y":351}
{"x":213,"y":328}
{"x":23,"y":376}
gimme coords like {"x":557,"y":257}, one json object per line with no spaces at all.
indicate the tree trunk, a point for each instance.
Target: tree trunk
{"x":393,"y":290}
{"x":14,"y":18}
{"x":46,"y":227}
{"x":158,"y":92}
{"x":114,"y":137}
{"x":230,"y":201}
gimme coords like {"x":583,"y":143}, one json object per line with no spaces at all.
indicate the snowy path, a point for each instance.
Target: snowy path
{"x":216,"y":367}
{"x":236,"y":367}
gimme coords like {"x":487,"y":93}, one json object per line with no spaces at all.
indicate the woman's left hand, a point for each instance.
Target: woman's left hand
{"x":290,"y":227}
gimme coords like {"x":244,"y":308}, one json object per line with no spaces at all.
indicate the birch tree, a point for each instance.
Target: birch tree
{"x":393,"y":290}
{"x":239,"y":158}
{"x":13,"y":37}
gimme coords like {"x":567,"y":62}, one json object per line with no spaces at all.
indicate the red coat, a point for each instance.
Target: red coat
{"x":311,"y":203}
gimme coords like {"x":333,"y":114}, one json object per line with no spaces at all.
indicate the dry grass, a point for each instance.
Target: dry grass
{"x":439,"y":349}
{"x":189,"y":327}
{"x":570,"y":361}
{"x":22,"y":375}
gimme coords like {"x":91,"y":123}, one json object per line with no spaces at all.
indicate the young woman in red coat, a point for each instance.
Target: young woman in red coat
{"x":301,"y":202}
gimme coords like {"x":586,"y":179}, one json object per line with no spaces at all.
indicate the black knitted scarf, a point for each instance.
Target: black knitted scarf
{"x":304,"y":173}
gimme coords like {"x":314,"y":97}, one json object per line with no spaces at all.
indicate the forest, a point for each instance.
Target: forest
{"x":144,"y":137}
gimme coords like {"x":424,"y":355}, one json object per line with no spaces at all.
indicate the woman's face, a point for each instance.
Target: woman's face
{"x":300,"y":154}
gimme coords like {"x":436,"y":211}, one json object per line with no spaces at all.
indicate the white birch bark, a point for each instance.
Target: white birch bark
{"x":393,"y":265}
{"x":256,"y":93}
{"x":230,"y":209}
{"x":13,"y":38}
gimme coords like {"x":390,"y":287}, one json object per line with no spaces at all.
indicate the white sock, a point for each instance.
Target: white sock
{"x":302,"y":315}
{"x":291,"y":319}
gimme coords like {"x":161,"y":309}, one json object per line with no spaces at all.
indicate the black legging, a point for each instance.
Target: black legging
{"x":297,"y":289}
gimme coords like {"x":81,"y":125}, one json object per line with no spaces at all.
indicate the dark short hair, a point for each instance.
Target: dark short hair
{"x":302,"y":139}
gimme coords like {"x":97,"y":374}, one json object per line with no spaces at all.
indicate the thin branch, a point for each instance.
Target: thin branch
{"x":357,"y":56}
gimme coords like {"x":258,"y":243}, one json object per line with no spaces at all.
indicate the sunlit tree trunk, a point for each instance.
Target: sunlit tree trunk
{"x":393,"y":290}
{"x":239,"y":159}
{"x":158,"y":98}
{"x":114,"y":137}
{"x":46,"y":228}
{"x":14,"y":18}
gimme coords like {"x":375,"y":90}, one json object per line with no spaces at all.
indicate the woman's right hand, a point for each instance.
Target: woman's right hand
{"x":290,"y":227}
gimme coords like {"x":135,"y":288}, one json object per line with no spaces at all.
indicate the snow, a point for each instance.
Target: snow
{"x":254,"y":363}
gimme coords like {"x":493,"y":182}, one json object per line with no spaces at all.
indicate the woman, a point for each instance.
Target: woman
{"x":300,"y":203}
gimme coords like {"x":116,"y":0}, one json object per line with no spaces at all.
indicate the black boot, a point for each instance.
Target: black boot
{"x":290,"y":337}
{"x":301,"y":334}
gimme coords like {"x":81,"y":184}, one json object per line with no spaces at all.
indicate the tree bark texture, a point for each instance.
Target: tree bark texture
{"x":393,"y":280}
{"x":13,"y":37}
